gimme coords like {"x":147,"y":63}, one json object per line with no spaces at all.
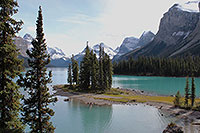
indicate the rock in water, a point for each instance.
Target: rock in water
{"x":173,"y":128}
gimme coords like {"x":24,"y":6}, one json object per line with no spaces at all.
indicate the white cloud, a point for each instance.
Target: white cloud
{"x":78,"y":18}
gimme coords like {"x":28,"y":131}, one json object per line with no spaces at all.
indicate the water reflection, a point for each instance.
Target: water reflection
{"x":74,"y":117}
{"x":95,"y":119}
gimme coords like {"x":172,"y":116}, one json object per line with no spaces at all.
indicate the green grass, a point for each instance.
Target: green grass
{"x":124,"y":96}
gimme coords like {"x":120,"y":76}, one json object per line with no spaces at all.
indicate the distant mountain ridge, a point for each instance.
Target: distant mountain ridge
{"x":58,"y":57}
{"x":108,"y":50}
{"x":132,"y":43}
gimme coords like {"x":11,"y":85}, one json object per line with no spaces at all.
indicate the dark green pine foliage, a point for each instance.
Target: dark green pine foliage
{"x":94,"y":70}
{"x":186,"y":92}
{"x":69,"y":79}
{"x":10,"y":68}
{"x":100,"y":66}
{"x":37,"y":113}
{"x":157,"y":66}
{"x":105,"y":72}
{"x":110,"y":71}
{"x":193,"y":92}
{"x":75,"y":70}
{"x":177,"y":100}
{"x":85,"y":70}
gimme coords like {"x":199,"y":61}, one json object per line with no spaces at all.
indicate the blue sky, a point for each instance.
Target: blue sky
{"x":68,"y":24}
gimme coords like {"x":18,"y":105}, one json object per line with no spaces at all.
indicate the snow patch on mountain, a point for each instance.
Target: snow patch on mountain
{"x":190,"y":6}
{"x":55,"y":52}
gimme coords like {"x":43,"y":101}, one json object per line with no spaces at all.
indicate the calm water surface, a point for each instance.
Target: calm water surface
{"x":74,"y":117}
{"x":158,"y":85}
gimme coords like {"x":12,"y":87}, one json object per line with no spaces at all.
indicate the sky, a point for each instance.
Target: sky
{"x":69,"y":24}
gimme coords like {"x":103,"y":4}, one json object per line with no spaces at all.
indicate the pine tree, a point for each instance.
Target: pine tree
{"x":110,"y":72}
{"x":69,"y":79}
{"x":94,"y":70}
{"x":75,"y":70}
{"x":100,"y":79}
{"x":85,"y":70}
{"x":177,"y":100}
{"x":10,"y":68}
{"x":36,"y":113}
{"x":187,"y":92}
{"x":193,"y":92}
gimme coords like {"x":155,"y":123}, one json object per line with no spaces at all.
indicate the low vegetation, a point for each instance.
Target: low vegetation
{"x":119,"y":95}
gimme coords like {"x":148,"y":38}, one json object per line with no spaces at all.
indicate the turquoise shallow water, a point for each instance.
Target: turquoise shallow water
{"x":158,"y":85}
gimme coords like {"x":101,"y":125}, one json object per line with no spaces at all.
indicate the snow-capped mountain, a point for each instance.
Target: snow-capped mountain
{"x":58,"y":57}
{"x":108,"y":50}
{"x":54,"y":52}
{"x":132,"y":43}
{"x":28,"y":38}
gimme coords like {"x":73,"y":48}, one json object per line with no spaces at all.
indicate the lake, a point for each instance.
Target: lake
{"x":74,"y":117}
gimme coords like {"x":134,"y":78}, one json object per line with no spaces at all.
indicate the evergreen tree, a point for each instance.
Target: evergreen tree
{"x":187,"y":92}
{"x":177,"y":100}
{"x":193,"y":92}
{"x":100,"y":79}
{"x":69,"y":79}
{"x":10,"y":68}
{"x":110,"y":72}
{"x":75,"y":71}
{"x":85,"y":70}
{"x":36,"y":111}
{"x":105,"y":71}
{"x":94,"y":70}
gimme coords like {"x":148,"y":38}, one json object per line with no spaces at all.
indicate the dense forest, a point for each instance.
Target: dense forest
{"x":155,"y":66}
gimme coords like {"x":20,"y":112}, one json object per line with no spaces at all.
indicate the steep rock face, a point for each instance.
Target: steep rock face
{"x":132,"y":43}
{"x":145,"y":38}
{"x":129,"y":44}
{"x":175,"y":26}
{"x":22,"y":45}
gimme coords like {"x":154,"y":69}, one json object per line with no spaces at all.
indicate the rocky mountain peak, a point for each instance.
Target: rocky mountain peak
{"x":28,"y":37}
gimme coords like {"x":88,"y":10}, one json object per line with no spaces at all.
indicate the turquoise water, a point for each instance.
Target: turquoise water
{"x":158,"y":85}
{"x":73,"y":117}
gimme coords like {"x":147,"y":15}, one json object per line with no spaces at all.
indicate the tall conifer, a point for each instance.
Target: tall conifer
{"x":100,"y":79}
{"x":94,"y":70}
{"x":85,"y":70}
{"x":37,"y":113}
{"x":193,"y":92}
{"x":75,"y":70}
{"x":69,"y":79}
{"x":187,"y":92}
{"x":10,"y":67}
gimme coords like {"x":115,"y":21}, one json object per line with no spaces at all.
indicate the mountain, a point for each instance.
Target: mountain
{"x":108,"y":50}
{"x":178,"y":27}
{"x":58,"y":57}
{"x":132,"y":43}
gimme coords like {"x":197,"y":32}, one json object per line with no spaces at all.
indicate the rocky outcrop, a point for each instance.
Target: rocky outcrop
{"x":146,"y":37}
{"x":173,"y":128}
{"x":22,"y":45}
{"x":175,"y":26}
